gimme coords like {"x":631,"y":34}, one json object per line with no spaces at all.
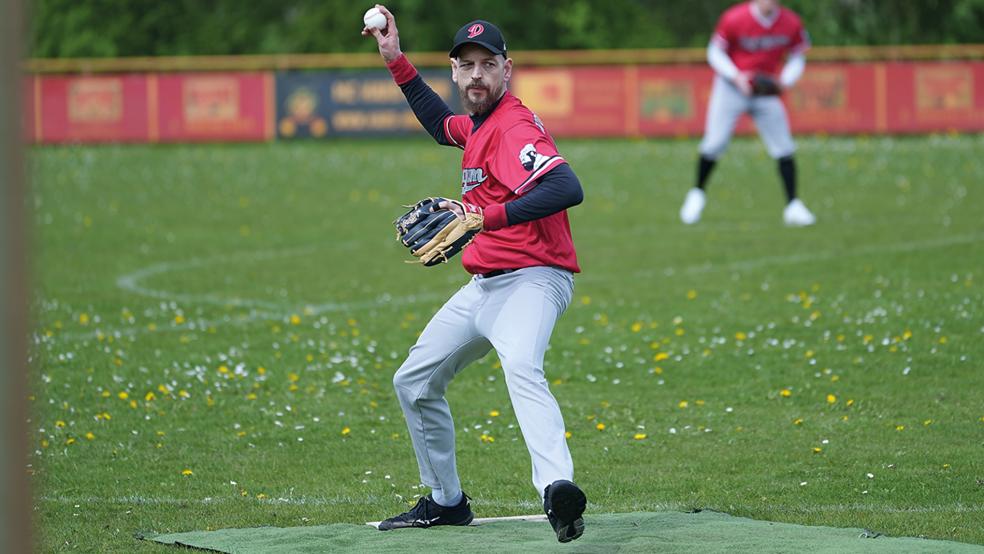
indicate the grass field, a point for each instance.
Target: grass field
{"x":216,"y":328}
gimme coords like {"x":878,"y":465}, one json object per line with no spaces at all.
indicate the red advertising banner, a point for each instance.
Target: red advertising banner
{"x":583,"y":101}
{"x":212,"y":107}
{"x":834,"y":98}
{"x":103,"y":108}
{"x":934,"y":97}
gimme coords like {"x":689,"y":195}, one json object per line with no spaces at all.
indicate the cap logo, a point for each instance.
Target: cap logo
{"x":475,"y":30}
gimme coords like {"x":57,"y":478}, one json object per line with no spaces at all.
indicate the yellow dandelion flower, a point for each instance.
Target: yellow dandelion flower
{"x":691,"y":294}
{"x":867,"y":338}
{"x":261,"y":370}
{"x":105,"y":394}
{"x":636,"y":327}
{"x":699,"y":402}
{"x":586,"y":300}
{"x":583,"y":341}
{"x":817,"y":450}
{"x":151,"y":326}
{"x":133,"y":404}
{"x":184,"y":394}
{"x":834,"y":378}
{"x":293,"y":377}
{"x":740,"y":336}
{"x":251,"y":396}
{"x":928,"y":422}
{"x":658,"y":370}
{"x":84,"y":318}
{"x":850,"y":402}
{"x":90,"y":436}
{"x":679,"y":332}
{"x":179,"y":319}
{"x":906,"y":335}
{"x":295,"y":319}
{"x":639,"y":436}
{"x":808,"y":354}
{"x":567,"y":434}
{"x":840,"y":338}
{"x":261,"y":496}
{"x":346,"y":431}
{"x":798,"y":421}
{"x":943,"y":340}
{"x":660,"y":356}
{"x":494,"y":413}
{"x":831,"y":399}
{"x":900,"y":427}
{"x":785,"y":393}
{"x":946,"y":466}
{"x":683,"y":404}
{"x":600,"y":426}
{"x":69,"y":441}
{"x":150,"y":396}
{"x":44,"y":443}
{"x":59,"y":424}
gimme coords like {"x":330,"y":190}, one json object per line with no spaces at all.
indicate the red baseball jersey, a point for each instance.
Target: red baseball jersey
{"x":502,"y":160}
{"x":759,"y":44}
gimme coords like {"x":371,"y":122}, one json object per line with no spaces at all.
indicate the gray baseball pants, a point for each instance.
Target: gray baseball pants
{"x":727,"y":104}
{"x":514,"y":313}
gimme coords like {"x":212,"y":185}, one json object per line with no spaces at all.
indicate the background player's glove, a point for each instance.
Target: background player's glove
{"x":434,"y":233}
{"x":765,"y":85}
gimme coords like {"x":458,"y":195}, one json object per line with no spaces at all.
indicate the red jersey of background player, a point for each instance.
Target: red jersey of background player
{"x":758,"y":44}
{"x":503,"y":158}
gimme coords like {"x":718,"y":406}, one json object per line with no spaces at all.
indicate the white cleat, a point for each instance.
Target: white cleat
{"x":693,"y":205}
{"x":797,"y":215}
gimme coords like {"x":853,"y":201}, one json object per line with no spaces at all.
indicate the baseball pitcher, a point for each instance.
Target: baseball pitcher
{"x":512,"y":230}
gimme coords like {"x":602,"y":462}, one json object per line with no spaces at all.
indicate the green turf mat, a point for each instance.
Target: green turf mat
{"x":704,"y":531}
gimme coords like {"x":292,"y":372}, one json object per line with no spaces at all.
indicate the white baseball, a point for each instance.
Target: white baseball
{"x":374,"y":19}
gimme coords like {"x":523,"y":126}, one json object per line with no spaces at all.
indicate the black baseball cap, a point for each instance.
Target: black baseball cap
{"x":481,"y":33}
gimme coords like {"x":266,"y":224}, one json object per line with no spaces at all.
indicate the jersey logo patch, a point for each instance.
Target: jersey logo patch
{"x":764,"y":42}
{"x":531,"y":159}
{"x":471,"y":177}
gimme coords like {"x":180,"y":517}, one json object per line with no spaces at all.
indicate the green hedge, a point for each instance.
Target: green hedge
{"x":105,"y":28}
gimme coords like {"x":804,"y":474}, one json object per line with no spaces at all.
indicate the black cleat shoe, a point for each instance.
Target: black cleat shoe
{"x":428,"y":513}
{"x":564,"y":504}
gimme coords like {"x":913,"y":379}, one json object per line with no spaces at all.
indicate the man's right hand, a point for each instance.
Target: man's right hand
{"x":388,"y":38}
{"x":744,"y":82}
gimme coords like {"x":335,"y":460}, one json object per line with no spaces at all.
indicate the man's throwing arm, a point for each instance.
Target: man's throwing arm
{"x":427,"y":105}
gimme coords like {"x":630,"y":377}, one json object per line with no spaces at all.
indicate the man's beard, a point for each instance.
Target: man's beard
{"x":483,"y":106}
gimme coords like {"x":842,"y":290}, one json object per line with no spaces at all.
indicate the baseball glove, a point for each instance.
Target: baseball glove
{"x":765,"y":85}
{"x":434,"y":234}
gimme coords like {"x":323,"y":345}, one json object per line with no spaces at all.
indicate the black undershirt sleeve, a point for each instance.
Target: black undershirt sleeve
{"x":429,"y":107}
{"x":557,"y":190}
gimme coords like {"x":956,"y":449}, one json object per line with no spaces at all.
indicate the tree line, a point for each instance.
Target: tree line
{"x":107,"y":28}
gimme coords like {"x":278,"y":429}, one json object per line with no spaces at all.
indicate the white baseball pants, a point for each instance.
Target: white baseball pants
{"x":515,"y":314}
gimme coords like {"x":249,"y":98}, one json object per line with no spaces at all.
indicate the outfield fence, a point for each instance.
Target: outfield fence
{"x":598,"y":93}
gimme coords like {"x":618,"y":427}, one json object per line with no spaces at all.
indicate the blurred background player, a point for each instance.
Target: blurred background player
{"x":523,"y":265}
{"x":755,"y":37}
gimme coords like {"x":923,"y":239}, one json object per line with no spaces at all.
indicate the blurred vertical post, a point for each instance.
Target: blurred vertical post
{"x":15,"y":498}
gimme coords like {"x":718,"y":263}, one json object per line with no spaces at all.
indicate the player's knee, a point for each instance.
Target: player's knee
{"x":403,"y":384}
